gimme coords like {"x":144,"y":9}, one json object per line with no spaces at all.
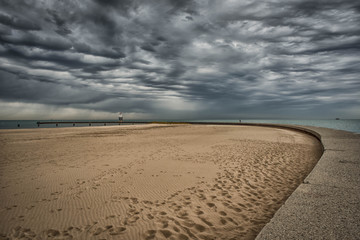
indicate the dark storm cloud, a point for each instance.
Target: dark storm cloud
{"x":15,"y":87}
{"x":183,"y":58}
{"x":62,"y":29}
{"x":32,"y":40}
{"x":17,"y":23}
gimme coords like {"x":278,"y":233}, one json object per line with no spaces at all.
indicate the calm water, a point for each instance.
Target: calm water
{"x":347,"y":125}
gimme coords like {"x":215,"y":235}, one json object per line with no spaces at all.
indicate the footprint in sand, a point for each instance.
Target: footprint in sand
{"x":222,"y":213}
{"x":116,"y":230}
{"x":210,"y":204}
{"x":165,"y":233}
{"x":22,"y":233}
{"x":52,"y":233}
{"x":199,"y":227}
{"x":150,"y":234}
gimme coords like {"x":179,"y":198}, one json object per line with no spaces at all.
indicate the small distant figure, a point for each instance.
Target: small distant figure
{"x":121,"y":117}
{"x":337,"y":118}
{"x":239,"y":121}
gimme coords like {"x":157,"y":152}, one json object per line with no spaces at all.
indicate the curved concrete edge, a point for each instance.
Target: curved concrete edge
{"x":327,"y":204}
{"x":297,"y":128}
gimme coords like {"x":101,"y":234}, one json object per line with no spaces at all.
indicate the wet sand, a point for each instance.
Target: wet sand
{"x":149,"y":181}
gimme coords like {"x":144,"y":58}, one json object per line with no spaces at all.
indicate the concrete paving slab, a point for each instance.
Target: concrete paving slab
{"x":339,"y":170}
{"x":316,"y":212}
{"x":327,"y":204}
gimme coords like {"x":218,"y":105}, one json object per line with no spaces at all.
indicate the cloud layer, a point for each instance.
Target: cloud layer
{"x":182,"y":59}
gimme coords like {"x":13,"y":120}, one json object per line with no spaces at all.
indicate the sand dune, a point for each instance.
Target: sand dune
{"x":148,"y":182}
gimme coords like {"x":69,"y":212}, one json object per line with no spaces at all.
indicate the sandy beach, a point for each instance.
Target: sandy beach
{"x":148,"y":181}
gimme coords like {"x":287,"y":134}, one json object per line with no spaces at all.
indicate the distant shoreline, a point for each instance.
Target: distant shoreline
{"x":351,"y":125}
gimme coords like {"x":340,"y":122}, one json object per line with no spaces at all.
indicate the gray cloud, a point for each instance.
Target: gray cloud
{"x":188,"y":59}
{"x":17,"y":22}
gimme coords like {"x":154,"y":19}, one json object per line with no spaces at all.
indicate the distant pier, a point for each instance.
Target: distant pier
{"x":78,"y":122}
{"x":90,"y":123}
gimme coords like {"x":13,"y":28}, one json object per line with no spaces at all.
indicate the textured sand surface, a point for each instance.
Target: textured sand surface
{"x":148,"y":182}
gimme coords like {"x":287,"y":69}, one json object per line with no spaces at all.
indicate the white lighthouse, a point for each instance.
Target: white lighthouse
{"x":120,"y":117}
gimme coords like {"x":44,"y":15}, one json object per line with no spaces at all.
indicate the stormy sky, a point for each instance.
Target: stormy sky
{"x":175,"y":59}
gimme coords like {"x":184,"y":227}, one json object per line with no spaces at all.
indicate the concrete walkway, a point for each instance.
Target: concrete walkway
{"x":327,"y":204}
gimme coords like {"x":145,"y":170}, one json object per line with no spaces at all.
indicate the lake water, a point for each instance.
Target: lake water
{"x":351,"y":125}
